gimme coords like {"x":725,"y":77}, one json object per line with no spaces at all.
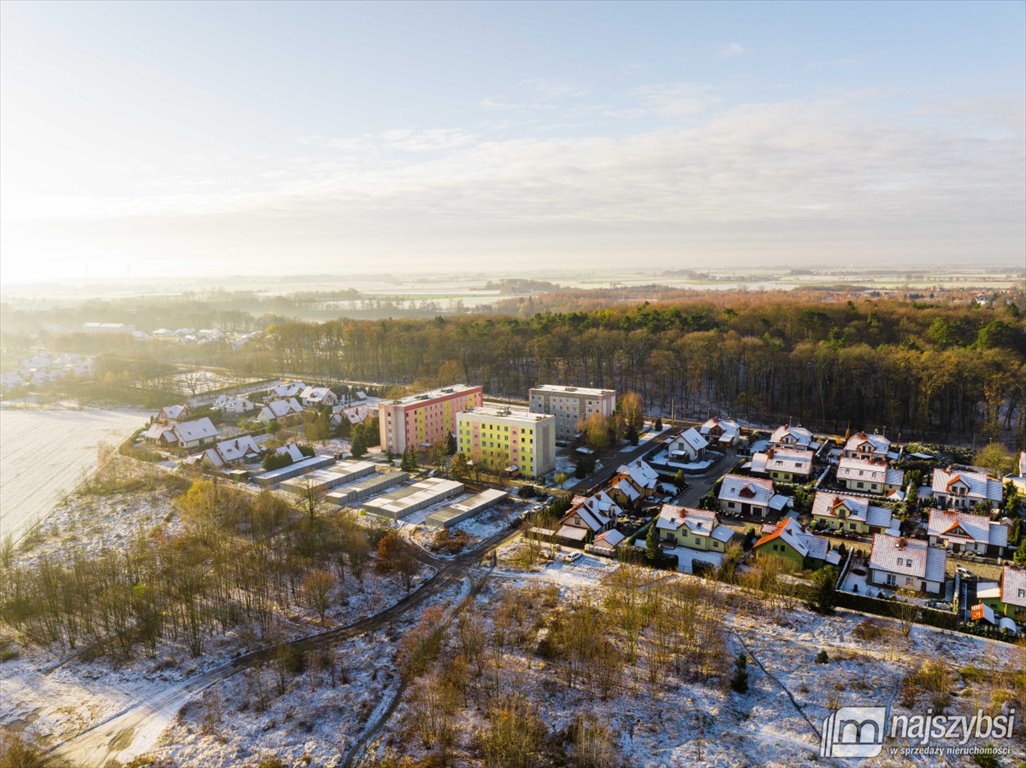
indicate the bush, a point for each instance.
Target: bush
{"x":822,"y":657}
{"x":276,"y":460}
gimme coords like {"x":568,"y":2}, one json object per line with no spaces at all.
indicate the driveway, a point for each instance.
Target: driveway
{"x":699,"y":485}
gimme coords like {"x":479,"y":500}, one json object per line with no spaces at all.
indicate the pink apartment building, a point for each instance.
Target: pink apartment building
{"x":424,"y":419}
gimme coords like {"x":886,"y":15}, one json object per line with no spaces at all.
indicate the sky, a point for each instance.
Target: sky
{"x":200,"y":138}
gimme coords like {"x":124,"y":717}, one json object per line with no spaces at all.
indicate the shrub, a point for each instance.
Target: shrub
{"x":739,"y":680}
{"x":822,"y":657}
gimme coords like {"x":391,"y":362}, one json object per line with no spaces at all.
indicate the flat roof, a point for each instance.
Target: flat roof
{"x":410,"y":497}
{"x":467,"y":506}
{"x":564,"y":389}
{"x":506,"y":413}
{"x":455,"y":389}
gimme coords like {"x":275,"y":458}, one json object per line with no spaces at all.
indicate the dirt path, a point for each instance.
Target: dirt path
{"x":133,"y":729}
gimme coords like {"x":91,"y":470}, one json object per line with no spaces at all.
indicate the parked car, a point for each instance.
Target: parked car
{"x":572,"y":557}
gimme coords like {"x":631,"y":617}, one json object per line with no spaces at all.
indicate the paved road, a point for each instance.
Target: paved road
{"x":699,"y":485}
{"x":611,"y":460}
{"x":97,"y":744}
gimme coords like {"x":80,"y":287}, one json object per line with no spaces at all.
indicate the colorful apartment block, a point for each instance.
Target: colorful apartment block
{"x":516,"y":441}
{"x":571,"y":405}
{"x":424,"y":419}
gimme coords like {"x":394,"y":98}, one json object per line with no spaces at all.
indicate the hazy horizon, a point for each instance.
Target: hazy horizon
{"x":158,"y":140}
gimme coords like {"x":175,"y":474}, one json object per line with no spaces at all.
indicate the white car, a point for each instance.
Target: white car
{"x":572,"y":557}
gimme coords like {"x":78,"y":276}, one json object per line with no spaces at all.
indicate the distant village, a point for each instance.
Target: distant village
{"x":898,"y":524}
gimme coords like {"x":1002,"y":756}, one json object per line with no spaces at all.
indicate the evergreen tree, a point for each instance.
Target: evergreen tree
{"x":652,"y":543}
{"x":1020,"y":553}
{"x":358,"y":447}
{"x":739,"y":680}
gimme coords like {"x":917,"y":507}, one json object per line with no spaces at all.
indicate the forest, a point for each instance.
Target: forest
{"x":920,"y":369}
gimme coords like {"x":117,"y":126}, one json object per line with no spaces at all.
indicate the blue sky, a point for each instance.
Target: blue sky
{"x":219,"y":138}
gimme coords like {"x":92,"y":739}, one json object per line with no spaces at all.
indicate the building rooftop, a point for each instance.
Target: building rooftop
{"x":505,"y":412}
{"x":562,"y":389}
{"x":454,"y":389}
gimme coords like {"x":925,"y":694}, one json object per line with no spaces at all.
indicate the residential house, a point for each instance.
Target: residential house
{"x":689,"y":446}
{"x":787,"y":436}
{"x":588,"y":517}
{"x":792,"y":543}
{"x":287,"y":389}
{"x":962,"y":489}
{"x":692,"y":528}
{"x":190,"y":434}
{"x":315,"y":397}
{"x":1009,"y":595}
{"x":162,"y":434}
{"x":243,"y":448}
{"x":1019,"y":480}
{"x":291,"y":450}
{"x":170,"y":413}
{"x":897,"y":562}
{"x":751,"y":497}
{"x":634,"y":483}
{"x":965,"y":532}
{"x":233,"y":404}
{"x":869,"y":476}
{"x":790,"y":465}
{"x":355,"y":413}
{"x":863,"y":446}
{"x":723,"y":432}
{"x":851,"y":513}
{"x":607,"y":543}
{"x":276,"y":409}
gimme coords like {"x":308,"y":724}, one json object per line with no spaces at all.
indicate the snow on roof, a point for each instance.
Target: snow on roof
{"x":238,"y":448}
{"x":640,"y":473}
{"x":727,"y":427}
{"x":595,"y":511}
{"x":200,"y":429}
{"x":627,"y":488}
{"x":284,"y":407}
{"x":571,"y":532}
{"x":692,"y":438}
{"x":1013,"y":585}
{"x":790,"y":532}
{"x":872,"y":470}
{"x":292,"y":450}
{"x":908,"y":557}
{"x":750,"y":490}
{"x":612,"y":538}
{"x":979,"y":486}
{"x":863,"y":443}
{"x":795,"y":435}
{"x":173,"y":412}
{"x":838,"y":505}
{"x":794,"y":460}
{"x":157,"y":430}
{"x":965,"y":525}
{"x":315,"y":393}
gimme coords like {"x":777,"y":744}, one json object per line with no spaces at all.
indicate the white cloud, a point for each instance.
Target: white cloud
{"x":730,"y":50}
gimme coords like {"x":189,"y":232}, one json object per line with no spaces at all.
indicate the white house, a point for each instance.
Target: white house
{"x":899,"y":563}
{"x":314,"y":397}
{"x":786,"y":464}
{"x":688,"y":446}
{"x":234,"y":404}
{"x":171,"y":413}
{"x":287,"y":389}
{"x":786,"y":436}
{"x":276,"y":409}
{"x":965,"y":532}
{"x":243,"y":448}
{"x":966,"y":489}
{"x":725,"y":432}
{"x":190,"y":434}
{"x":869,"y":475}
{"x":863,"y":446}
{"x":164,"y":434}
{"x":356,"y":413}
{"x":751,"y":496}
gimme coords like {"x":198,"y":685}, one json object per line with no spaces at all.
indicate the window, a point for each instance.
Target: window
{"x":891,"y":580}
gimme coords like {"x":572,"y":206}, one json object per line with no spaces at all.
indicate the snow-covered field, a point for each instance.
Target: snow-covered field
{"x":44,"y":454}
